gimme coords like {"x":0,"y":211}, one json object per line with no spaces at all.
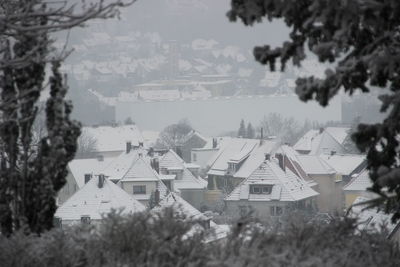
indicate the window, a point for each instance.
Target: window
{"x":85,"y":219}
{"x":261,"y":189}
{"x":139,"y":189}
{"x":194,"y":157}
{"x":276,"y":211}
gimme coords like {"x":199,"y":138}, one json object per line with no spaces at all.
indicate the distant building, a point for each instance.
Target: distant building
{"x":191,"y":141}
{"x":97,"y":198}
{"x":271,"y":192}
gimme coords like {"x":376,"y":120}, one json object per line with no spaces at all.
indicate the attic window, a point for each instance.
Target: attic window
{"x":261,"y":189}
{"x":139,"y":189}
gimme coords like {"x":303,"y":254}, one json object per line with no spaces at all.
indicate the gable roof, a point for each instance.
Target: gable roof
{"x":80,"y":167}
{"x":313,"y":140}
{"x":117,"y":169}
{"x":109,"y":138}
{"x":344,"y":164}
{"x":93,"y":201}
{"x":313,"y":164}
{"x":140,"y":170}
{"x":237,"y":150}
{"x":286,"y":186}
{"x":188,"y":181}
{"x":360,"y":182}
{"x":256,"y":157}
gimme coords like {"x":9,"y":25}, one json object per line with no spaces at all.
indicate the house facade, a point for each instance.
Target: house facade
{"x":95,"y":199}
{"x":271,"y":192}
{"x":191,"y":141}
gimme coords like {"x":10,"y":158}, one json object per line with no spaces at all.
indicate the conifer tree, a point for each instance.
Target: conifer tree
{"x":33,"y":170}
{"x":250,"y":132}
{"x":242,"y":129}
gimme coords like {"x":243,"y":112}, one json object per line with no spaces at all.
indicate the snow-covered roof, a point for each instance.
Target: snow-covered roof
{"x":93,"y":201}
{"x":109,"y":138}
{"x":255,"y":158}
{"x":118,"y":168}
{"x":316,"y":141}
{"x":188,"y":180}
{"x":80,"y":167}
{"x":140,"y":170}
{"x":236,"y":150}
{"x":360,"y":182}
{"x":286,"y":186}
{"x":295,"y":163}
{"x":372,"y":219}
{"x":191,"y":134}
{"x":313,"y":164}
{"x":344,"y":164}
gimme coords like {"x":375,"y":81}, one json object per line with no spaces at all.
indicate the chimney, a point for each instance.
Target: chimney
{"x":281,"y":160}
{"x":140,"y":144}
{"x":321,"y":130}
{"x":157,"y":196}
{"x":262,"y":133}
{"x":128,"y":147}
{"x":333,"y":152}
{"x":267,"y":156}
{"x":155,"y":165}
{"x":101,"y":180}
{"x":214,"y":144}
{"x":88,"y":176}
{"x":100,"y":157}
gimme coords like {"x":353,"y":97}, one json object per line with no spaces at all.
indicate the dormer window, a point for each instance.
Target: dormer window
{"x":232,"y":167}
{"x":261,"y":189}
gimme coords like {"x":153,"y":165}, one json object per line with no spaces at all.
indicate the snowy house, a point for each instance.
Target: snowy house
{"x":345,"y":165}
{"x":328,"y":140}
{"x":192,"y":140}
{"x":80,"y":171}
{"x":271,"y":191}
{"x":329,"y":185}
{"x":182,"y":207}
{"x":235,"y":161}
{"x":357,"y":187}
{"x":112,"y":140}
{"x":96,"y":198}
{"x":179,"y":177}
{"x":132,"y":171}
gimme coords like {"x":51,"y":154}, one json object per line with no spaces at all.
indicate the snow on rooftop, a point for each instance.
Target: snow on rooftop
{"x":80,"y":167}
{"x":93,"y":201}
{"x":313,"y":164}
{"x":118,"y":168}
{"x":359,"y":182}
{"x":344,"y":164}
{"x":188,"y":180}
{"x":235,"y":150}
{"x":110,"y":138}
{"x":286,"y":186}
